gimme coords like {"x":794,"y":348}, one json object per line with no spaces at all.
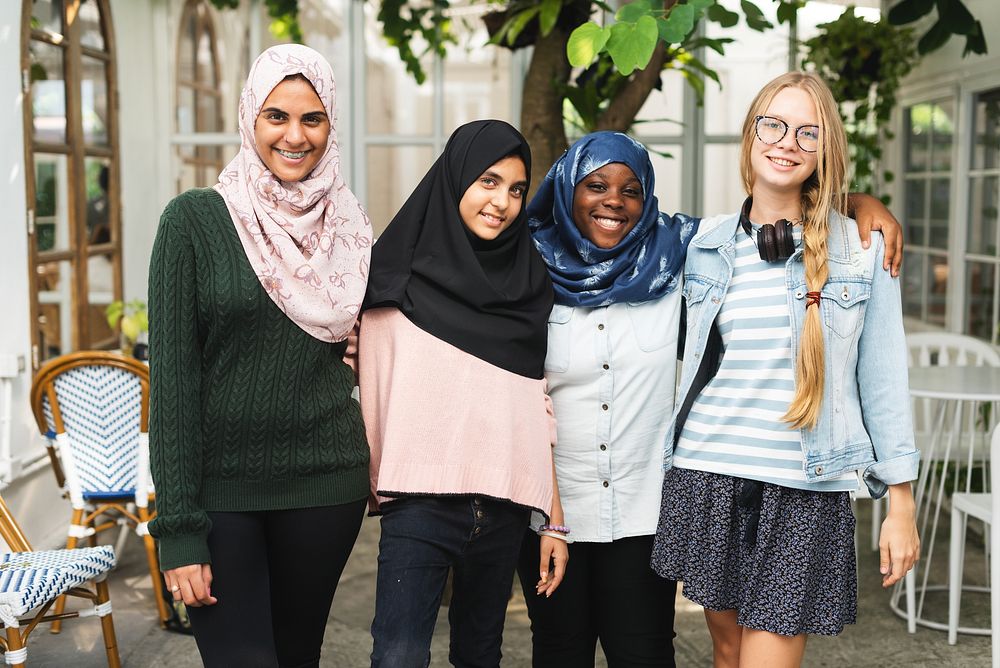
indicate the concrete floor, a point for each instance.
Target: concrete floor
{"x":879,"y":638}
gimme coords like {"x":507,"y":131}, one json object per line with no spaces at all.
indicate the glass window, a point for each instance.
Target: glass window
{"x":393,"y":173}
{"x":199,"y":100}
{"x":986,"y":140}
{"x":722,"y":188}
{"x":927,"y":182}
{"x":983,"y":224}
{"x":73,"y":193}
{"x":48,"y":92}
{"x":395,"y":103}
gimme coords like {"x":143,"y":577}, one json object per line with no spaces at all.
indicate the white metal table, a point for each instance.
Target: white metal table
{"x":956,"y":395}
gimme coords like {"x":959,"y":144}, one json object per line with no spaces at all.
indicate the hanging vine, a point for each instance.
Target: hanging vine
{"x":864,"y":63}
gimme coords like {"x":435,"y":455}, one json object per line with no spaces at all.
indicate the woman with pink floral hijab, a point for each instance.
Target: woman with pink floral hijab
{"x":257,"y":449}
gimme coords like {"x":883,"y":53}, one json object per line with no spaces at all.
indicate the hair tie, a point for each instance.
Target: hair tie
{"x":812,"y":298}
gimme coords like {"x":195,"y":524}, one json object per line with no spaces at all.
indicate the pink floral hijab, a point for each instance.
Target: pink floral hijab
{"x":308,"y":241}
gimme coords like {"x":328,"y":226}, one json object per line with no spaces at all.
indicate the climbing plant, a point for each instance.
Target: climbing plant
{"x":864,"y":63}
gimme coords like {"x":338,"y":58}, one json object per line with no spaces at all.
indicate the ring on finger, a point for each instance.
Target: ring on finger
{"x":175,"y":589}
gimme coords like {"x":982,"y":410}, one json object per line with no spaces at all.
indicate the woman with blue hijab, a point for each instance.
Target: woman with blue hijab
{"x":616,"y":264}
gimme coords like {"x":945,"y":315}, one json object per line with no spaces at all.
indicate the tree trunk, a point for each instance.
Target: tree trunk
{"x":542,"y":101}
{"x":625,"y":106}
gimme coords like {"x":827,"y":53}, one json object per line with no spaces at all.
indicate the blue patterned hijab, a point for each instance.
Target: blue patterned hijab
{"x":644,"y":266}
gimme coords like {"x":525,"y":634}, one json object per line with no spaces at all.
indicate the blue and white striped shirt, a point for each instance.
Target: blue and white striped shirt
{"x":735,"y":426}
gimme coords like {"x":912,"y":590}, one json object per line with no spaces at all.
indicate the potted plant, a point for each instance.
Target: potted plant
{"x":134,"y":321}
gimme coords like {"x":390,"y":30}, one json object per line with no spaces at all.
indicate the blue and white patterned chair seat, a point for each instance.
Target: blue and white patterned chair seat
{"x":100,"y":412}
{"x":30,"y":579}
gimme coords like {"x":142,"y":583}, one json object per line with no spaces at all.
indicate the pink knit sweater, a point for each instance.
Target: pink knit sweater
{"x":441,"y":421}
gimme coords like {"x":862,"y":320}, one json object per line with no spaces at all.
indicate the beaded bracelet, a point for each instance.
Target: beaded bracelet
{"x":558,"y":528}
{"x":553,"y":534}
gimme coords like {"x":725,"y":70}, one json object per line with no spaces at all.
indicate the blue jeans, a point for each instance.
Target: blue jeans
{"x":422,"y":539}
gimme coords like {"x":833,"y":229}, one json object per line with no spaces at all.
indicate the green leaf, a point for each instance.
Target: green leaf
{"x":631,"y":45}
{"x":696,"y":82}
{"x":909,"y":11}
{"x":701,"y":5}
{"x":958,"y":18}
{"x":975,"y":42}
{"x":723,"y":16}
{"x":934,"y":38}
{"x":585,"y":43}
{"x":549,"y":15}
{"x":696,"y":64}
{"x":715,"y":44}
{"x":518,"y":23}
{"x":787,"y":13}
{"x":755,"y":18}
{"x":677,"y":25}
{"x":631,"y":12}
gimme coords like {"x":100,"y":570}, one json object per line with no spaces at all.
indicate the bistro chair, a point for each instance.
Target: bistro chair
{"x":935,"y":349}
{"x":93,"y":409}
{"x":985,"y":507}
{"x":30,"y":582}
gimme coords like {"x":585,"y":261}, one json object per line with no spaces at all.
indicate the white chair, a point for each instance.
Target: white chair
{"x":93,"y":409}
{"x":982,"y":507}
{"x":935,"y":349}
{"x":30,"y":582}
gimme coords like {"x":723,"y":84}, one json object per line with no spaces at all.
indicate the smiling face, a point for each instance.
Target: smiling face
{"x":783,"y":166}
{"x":607,"y":204}
{"x":494,"y":200}
{"x":292,"y":130}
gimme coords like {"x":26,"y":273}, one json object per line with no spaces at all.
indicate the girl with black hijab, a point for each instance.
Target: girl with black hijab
{"x":451,"y":357}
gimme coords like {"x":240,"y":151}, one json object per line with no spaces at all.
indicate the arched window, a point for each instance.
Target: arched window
{"x":72,"y":173}
{"x":199,"y":100}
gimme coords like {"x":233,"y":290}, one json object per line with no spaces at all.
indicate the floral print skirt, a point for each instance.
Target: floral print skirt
{"x":783,"y":558}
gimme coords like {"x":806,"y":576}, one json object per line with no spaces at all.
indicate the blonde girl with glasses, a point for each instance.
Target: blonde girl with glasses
{"x":794,"y":383}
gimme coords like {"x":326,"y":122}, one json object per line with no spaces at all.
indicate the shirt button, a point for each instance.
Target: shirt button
{"x":605,"y":483}
{"x":799,"y":294}
{"x":604,"y":446}
{"x":477,"y":530}
{"x":479,"y":514}
{"x":819,"y":470}
{"x":604,"y":406}
{"x":605,"y":367}
{"x":601,"y":327}
{"x":715,"y":300}
{"x":845,"y":295}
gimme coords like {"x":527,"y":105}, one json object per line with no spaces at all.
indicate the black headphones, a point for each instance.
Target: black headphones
{"x":774,"y":242}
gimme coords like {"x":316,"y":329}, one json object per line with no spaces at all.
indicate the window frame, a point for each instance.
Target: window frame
{"x":77,"y":151}
{"x":204,"y":24}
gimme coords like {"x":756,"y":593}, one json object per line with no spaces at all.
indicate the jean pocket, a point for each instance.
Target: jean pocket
{"x":846,"y":304}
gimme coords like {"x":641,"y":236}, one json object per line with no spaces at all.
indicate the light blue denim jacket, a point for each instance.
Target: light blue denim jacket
{"x":865,"y":421}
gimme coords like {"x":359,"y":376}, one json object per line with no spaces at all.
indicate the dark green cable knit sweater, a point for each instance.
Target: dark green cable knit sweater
{"x":248,"y":412}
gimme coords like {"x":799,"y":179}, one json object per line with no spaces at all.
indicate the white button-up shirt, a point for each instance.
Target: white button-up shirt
{"x":611,"y":374}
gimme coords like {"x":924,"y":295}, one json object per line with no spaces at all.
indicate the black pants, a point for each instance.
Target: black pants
{"x":274,"y":574}
{"x":610,"y":594}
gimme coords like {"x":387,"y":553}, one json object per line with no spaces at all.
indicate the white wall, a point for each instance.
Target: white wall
{"x":15,"y":334}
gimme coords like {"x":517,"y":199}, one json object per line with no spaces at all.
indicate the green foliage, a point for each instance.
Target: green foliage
{"x":953,"y":18}
{"x":864,"y":64}
{"x":403,"y":24}
{"x":284,"y":17}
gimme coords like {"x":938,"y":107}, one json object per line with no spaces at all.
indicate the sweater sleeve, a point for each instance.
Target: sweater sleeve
{"x":175,"y":433}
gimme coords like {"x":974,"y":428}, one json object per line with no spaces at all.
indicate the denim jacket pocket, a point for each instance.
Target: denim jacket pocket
{"x":560,"y":339}
{"x":846,"y":301}
{"x":654,"y":326}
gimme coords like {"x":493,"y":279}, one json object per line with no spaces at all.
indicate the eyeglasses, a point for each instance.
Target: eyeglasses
{"x":772,"y":130}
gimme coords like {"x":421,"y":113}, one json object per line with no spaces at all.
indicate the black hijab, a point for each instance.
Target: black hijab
{"x":490,"y":299}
